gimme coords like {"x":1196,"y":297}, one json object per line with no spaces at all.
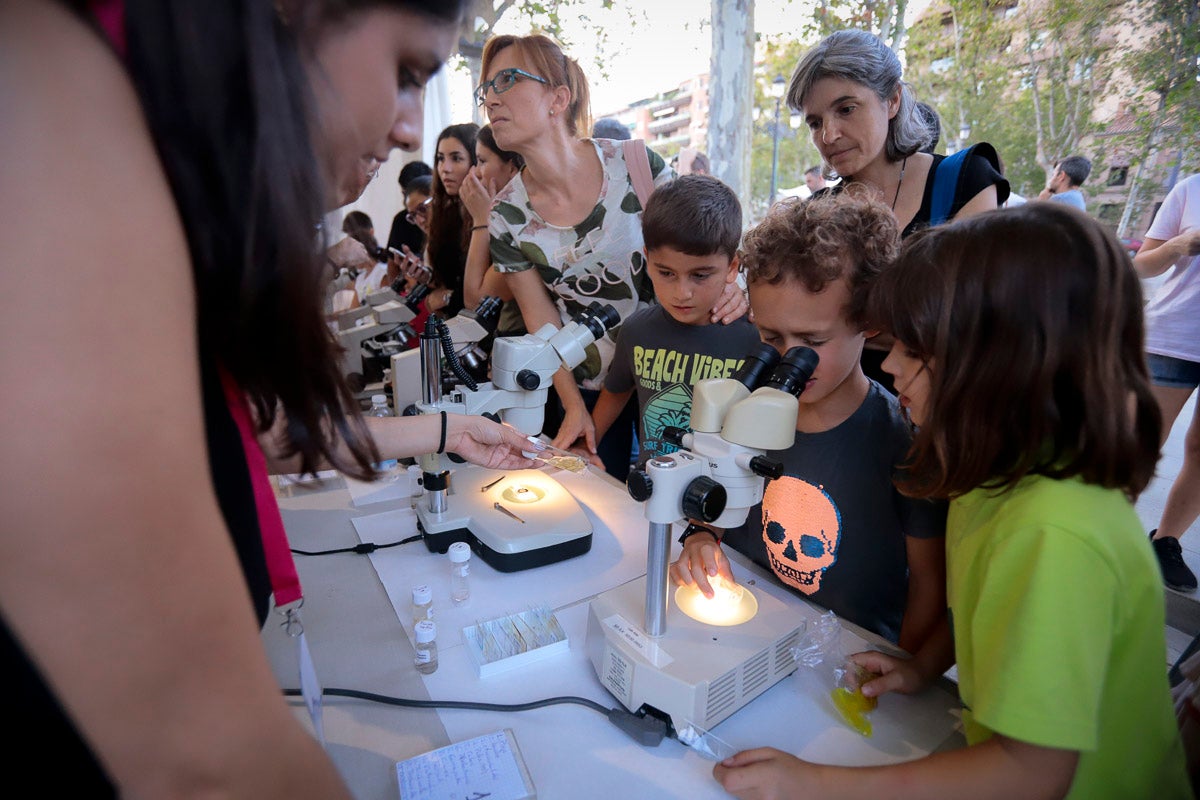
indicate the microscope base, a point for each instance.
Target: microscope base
{"x":546,"y":530}
{"x":695,"y":673}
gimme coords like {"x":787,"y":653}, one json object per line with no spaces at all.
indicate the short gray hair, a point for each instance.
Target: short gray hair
{"x":863,"y":58}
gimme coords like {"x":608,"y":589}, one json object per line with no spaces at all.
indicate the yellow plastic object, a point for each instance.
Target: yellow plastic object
{"x":854,"y":708}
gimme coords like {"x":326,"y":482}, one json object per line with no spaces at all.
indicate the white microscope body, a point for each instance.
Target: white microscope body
{"x":696,"y":674}
{"x":521,"y":519}
{"x":466,"y":330}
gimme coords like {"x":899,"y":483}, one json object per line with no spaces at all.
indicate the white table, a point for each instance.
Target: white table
{"x":359,"y":642}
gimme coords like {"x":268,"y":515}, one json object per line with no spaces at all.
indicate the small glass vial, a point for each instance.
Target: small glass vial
{"x":426,"y":659}
{"x":422,"y":603}
{"x":460,"y":573}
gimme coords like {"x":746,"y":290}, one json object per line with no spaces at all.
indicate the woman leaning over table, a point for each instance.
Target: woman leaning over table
{"x":132,"y":556}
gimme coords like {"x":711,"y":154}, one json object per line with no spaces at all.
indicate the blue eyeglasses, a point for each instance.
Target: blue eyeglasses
{"x":504,"y":80}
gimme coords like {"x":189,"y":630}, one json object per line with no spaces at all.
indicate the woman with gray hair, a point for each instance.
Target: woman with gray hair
{"x":866,"y":125}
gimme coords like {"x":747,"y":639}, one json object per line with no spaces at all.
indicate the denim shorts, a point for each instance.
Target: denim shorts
{"x":1173,"y":373}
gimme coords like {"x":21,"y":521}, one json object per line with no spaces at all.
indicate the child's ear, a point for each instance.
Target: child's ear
{"x":734,"y":265}
{"x":870,"y":333}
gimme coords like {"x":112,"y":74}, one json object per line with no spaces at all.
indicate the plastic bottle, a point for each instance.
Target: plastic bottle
{"x":426,"y":658}
{"x":379,"y":408}
{"x":422,"y":603}
{"x":460,"y":573}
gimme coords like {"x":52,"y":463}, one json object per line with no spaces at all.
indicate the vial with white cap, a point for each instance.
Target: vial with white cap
{"x":422,"y":603}
{"x":426,"y":656}
{"x":460,"y":572}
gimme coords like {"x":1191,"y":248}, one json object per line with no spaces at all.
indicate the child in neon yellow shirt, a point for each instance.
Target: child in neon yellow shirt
{"x":1019,"y":357}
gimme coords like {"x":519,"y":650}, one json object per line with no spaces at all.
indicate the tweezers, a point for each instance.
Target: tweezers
{"x":499,"y":507}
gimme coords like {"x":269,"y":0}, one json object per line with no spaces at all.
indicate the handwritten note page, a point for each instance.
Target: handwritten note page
{"x":488,"y":766}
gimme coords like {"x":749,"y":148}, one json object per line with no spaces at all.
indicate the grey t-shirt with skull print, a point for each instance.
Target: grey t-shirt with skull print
{"x":833,"y":527}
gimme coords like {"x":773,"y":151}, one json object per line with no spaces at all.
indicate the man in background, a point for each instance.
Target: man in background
{"x":1069,"y":175}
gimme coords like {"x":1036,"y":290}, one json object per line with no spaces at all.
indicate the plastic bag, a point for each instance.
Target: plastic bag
{"x":820,"y":649}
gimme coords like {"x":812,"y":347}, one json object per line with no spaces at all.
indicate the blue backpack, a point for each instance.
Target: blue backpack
{"x":945,"y":180}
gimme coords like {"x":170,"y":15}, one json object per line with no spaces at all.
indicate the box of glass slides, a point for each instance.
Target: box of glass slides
{"x":498,"y":645}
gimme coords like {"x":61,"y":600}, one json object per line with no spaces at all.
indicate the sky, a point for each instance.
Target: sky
{"x":669,"y":43}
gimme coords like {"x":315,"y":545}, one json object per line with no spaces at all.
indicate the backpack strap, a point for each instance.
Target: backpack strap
{"x":637,"y":161}
{"x":945,"y":183}
{"x":949,"y":172}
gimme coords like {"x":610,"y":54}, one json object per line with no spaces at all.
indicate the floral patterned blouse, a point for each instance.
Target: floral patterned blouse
{"x":600,"y":259}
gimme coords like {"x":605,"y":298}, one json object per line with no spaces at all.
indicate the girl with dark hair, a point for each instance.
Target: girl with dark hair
{"x":866,"y":124}
{"x":1019,"y":357}
{"x":449,"y":226}
{"x":494,"y":168}
{"x":201,"y":143}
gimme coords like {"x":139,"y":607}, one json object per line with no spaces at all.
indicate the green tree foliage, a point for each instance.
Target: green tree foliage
{"x":1024,"y":76}
{"x":796,"y":150}
{"x":1166,"y":71}
{"x":882,"y":17}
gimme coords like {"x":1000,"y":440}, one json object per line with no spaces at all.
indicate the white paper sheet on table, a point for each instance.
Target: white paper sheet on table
{"x":793,"y":715}
{"x":618,"y":554}
{"x":401,"y":484}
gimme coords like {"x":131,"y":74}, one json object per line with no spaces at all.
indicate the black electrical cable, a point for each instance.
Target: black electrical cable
{"x":400,"y":701}
{"x":647,"y":730}
{"x":361,"y":549}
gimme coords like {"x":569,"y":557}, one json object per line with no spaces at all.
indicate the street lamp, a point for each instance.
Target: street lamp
{"x":776,"y":89}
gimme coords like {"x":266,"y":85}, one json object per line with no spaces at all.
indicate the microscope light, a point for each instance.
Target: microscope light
{"x":731,"y":604}
{"x":522,"y":493}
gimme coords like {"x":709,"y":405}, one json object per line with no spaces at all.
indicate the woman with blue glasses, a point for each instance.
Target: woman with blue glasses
{"x":567,"y":229}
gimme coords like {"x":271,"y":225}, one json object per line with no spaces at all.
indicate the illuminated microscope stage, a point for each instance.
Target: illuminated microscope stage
{"x":696,"y":673}
{"x":541,"y":523}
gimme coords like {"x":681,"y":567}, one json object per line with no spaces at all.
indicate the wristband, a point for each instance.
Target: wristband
{"x":442,"y":441}
{"x":693,"y":528}
{"x":479,"y":228}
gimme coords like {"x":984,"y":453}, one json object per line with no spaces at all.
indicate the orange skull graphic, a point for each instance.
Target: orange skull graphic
{"x":801,"y":529}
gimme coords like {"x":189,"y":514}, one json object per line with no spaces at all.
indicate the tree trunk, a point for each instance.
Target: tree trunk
{"x":731,"y":92}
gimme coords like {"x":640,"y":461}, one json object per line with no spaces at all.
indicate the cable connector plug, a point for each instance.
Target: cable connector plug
{"x":647,"y":730}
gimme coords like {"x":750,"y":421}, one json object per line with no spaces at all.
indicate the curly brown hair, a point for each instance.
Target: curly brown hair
{"x":816,"y":242}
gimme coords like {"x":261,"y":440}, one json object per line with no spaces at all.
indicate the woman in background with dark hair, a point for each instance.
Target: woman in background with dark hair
{"x":133,"y":570}
{"x":494,"y":168}
{"x":449,"y":225}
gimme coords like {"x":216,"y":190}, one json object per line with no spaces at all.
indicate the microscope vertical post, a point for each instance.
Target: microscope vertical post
{"x":431,"y":395}
{"x":658,"y":556}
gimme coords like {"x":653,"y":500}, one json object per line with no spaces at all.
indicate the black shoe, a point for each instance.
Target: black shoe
{"x":1176,"y":574}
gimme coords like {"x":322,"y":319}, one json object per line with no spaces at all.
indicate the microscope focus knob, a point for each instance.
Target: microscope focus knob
{"x":639,"y":484}
{"x":674,"y":435}
{"x":767,"y":468}
{"x":703,"y":499}
{"x":528,"y":380}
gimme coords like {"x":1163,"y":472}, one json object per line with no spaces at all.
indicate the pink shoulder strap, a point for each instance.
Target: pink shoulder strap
{"x":285,"y":581}
{"x":637,"y":161}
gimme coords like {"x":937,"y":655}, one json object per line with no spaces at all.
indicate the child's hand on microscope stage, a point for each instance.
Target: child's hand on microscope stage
{"x":700,"y":560}
{"x":580,"y":449}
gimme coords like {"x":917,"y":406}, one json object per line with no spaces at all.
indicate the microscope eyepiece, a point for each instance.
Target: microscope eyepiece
{"x":415,"y":296}
{"x":598,"y":318}
{"x":756,"y":366}
{"x":488,"y":311}
{"x":794,"y":370}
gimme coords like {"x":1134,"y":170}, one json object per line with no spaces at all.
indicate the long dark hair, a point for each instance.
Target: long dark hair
{"x":488,"y":140}
{"x":1030,"y":322}
{"x":227,"y":99}
{"x":449,"y":232}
